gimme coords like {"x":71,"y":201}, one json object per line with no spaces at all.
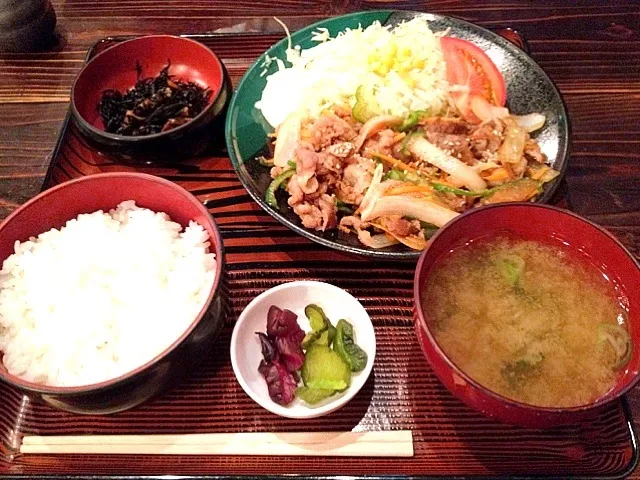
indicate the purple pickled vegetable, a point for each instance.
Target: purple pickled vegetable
{"x":290,"y":352}
{"x":280,"y":382}
{"x":283,"y":323}
{"x":283,"y":355}
{"x":269,"y":351}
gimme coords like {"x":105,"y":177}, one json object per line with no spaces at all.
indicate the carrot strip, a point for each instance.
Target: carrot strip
{"x":399,"y":136}
{"x":394,"y":162}
{"x":411,"y":241}
{"x":402,"y":189}
{"x":497,"y":175}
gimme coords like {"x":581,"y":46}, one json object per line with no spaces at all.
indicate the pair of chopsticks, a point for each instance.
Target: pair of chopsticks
{"x":395,"y":443}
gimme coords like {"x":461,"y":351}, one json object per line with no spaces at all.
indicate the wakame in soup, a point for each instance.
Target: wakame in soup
{"x":528,"y":321}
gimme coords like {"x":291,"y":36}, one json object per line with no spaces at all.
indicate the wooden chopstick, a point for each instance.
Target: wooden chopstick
{"x":394,"y":443}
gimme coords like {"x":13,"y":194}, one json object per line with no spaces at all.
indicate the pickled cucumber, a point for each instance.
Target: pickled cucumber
{"x":313,"y":395}
{"x":325,"y":369}
{"x":322,"y":331}
{"x":310,"y":338}
{"x":317,"y":319}
{"x":344,"y":344}
{"x":326,"y":337}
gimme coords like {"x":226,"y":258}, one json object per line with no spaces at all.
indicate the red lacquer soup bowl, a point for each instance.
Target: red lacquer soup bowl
{"x":544,"y":224}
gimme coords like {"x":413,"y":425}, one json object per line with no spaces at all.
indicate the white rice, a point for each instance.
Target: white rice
{"x":101,"y":296}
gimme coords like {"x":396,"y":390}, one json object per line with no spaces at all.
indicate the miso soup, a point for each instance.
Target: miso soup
{"x":528,"y":321}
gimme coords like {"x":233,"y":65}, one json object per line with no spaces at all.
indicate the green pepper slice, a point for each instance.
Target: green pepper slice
{"x":344,"y":207}
{"x":265,"y":162}
{"x":441,"y":187}
{"x":366,"y":106}
{"x":411,"y":120}
{"x":270,"y":195}
{"x":395,"y":174}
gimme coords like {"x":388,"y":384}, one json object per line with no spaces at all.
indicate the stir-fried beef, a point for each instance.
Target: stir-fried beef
{"x":319,"y":215}
{"x":329,"y":128}
{"x":331,"y":169}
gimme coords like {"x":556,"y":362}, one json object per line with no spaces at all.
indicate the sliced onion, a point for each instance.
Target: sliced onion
{"x":407,"y":206}
{"x":486,"y":111}
{"x":481,"y":167}
{"x":459,"y":171}
{"x":531,"y":122}
{"x":411,"y":241}
{"x":454,"y":181}
{"x":287,"y":140}
{"x":414,"y":242}
{"x":374,"y":126}
{"x":372,"y":193}
{"x":375,"y":241}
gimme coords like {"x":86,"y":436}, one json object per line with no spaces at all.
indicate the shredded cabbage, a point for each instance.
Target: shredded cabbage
{"x":403,"y":65}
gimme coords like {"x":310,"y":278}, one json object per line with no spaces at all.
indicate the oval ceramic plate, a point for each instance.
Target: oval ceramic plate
{"x":529,"y":89}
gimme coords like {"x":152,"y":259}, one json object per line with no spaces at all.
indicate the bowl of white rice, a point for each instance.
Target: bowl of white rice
{"x":110,"y":289}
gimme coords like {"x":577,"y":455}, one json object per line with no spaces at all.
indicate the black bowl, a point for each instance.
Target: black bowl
{"x":52,"y":209}
{"x":117,"y":68}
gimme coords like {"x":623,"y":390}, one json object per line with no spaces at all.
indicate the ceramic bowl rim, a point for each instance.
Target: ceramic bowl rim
{"x":215,"y":289}
{"x":417,"y":299}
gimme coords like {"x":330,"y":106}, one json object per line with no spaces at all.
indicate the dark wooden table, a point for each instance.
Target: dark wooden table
{"x":591,"y":49}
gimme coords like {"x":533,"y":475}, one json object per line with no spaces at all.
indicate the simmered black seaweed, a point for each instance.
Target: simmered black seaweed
{"x":153,"y":105}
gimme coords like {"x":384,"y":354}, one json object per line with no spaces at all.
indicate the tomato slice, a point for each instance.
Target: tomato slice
{"x":470,"y":68}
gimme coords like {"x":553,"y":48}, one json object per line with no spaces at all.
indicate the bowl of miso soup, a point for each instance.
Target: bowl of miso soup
{"x":529,"y":313}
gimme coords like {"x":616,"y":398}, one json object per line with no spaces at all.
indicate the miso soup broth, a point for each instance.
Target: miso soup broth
{"x":528,"y":321}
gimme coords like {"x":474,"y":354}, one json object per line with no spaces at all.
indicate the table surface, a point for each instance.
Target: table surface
{"x":591,"y":52}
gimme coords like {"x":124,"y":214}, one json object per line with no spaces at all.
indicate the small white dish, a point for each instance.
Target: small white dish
{"x":246,"y":353}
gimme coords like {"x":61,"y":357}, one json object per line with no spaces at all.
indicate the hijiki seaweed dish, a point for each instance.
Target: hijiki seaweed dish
{"x":389,"y":133}
{"x":153,"y":105}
